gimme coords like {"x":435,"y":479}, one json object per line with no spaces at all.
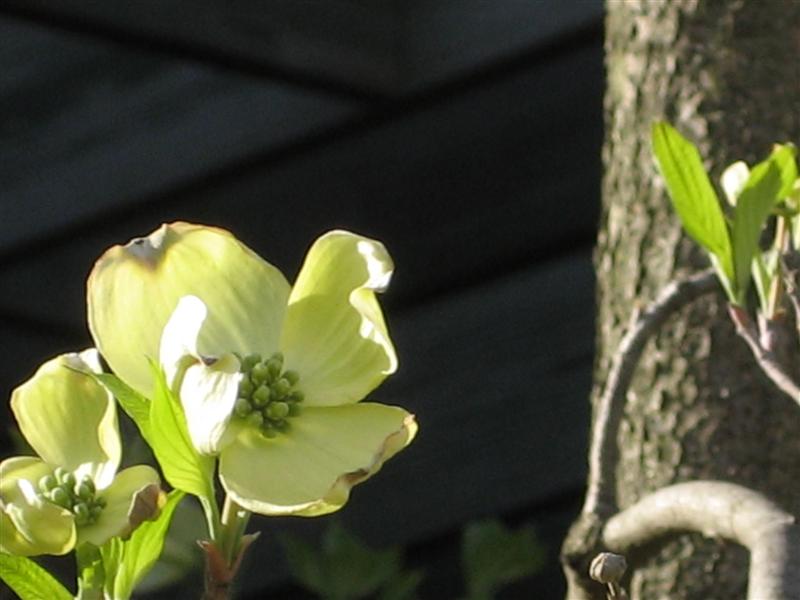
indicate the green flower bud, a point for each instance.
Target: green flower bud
{"x":275,"y":365}
{"x":292,"y":377}
{"x":47,"y":483}
{"x":69,"y":480}
{"x":250,"y":361}
{"x":294,"y":409}
{"x":260,"y":373}
{"x":277,"y":410}
{"x":87,"y":480}
{"x":281,"y":387}
{"x":59,"y":496}
{"x":84,"y":491}
{"x":242,"y":407}
{"x":95,"y":512}
{"x":60,"y":473}
{"x":82,"y":513}
{"x":295,"y":396}
{"x":269,"y":431}
{"x":245,"y":388}
{"x":261,"y":396}
{"x":282,"y":425}
{"x":256,"y":419}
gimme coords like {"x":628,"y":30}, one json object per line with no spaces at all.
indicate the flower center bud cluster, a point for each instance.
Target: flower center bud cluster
{"x":268,"y":395}
{"x":78,"y":497}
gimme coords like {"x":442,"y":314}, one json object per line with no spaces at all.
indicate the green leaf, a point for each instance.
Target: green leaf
{"x":493,"y":556}
{"x":184,"y":468}
{"x":784,"y":157}
{"x":344,"y":567}
{"x":355,"y":570}
{"x":763,"y":277}
{"x":693,"y":196}
{"x":127,"y":562}
{"x":755,"y":203}
{"x":132,"y":402}
{"x":30,"y":581}
{"x":179,"y":556}
{"x":794,"y":201}
{"x":306,"y":563}
{"x":402,"y":586}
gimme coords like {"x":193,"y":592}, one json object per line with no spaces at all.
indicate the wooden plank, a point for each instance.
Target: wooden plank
{"x":460,"y":192}
{"x":381,"y":46}
{"x":446,"y":38}
{"x":88,"y":127}
{"x":347,"y":41}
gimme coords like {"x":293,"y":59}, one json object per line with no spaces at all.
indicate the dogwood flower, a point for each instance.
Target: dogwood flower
{"x":71,"y":493}
{"x":270,"y":375}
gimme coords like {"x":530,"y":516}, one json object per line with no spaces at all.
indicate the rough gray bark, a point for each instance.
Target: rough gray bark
{"x":726,"y":74}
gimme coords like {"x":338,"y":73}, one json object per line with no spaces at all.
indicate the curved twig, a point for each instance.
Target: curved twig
{"x":718,"y":509}
{"x":584,"y":538}
{"x":603,"y":451}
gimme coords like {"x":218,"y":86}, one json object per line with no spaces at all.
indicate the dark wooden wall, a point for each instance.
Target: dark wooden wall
{"x":465,"y":134}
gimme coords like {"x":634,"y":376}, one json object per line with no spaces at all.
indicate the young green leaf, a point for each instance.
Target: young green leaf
{"x":179,"y":557}
{"x":183,"y":467}
{"x":755,"y":203}
{"x":693,"y":196}
{"x":30,"y":581}
{"x":784,"y":157}
{"x":763,"y":277}
{"x":127,"y":562}
{"x":493,"y":556}
{"x":131,"y":401}
{"x":794,"y":202}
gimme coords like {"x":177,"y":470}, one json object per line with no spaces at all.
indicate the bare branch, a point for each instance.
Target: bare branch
{"x":603,"y":451}
{"x":791,"y":274}
{"x":583,"y":541}
{"x":766,"y":358}
{"x":718,"y":509}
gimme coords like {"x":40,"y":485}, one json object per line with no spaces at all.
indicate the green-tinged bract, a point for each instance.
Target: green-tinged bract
{"x":270,"y":376}
{"x":71,"y":493}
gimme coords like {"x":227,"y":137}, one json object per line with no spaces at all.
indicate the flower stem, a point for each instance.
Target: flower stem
{"x":224,"y":553}
{"x":91,"y":575}
{"x":212,"y":517}
{"x":234,"y":522}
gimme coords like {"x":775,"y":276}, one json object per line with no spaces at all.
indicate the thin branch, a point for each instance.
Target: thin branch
{"x":584,"y":541}
{"x":766,"y":358}
{"x":603,"y":451}
{"x":791,"y":272}
{"x":724,"y":510}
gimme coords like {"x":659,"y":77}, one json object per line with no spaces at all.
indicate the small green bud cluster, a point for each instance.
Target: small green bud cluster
{"x":268,"y":395}
{"x":78,"y":497}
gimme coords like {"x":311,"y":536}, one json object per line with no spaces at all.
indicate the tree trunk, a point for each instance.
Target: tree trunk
{"x":726,"y":73}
